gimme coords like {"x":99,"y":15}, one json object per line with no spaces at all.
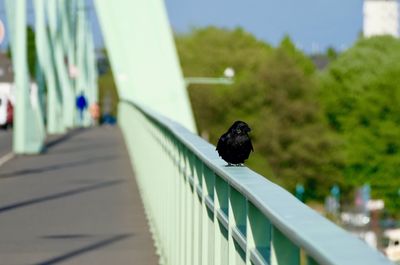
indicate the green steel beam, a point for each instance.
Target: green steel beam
{"x":56,"y":37}
{"x":54,"y":115}
{"x":70,"y":42}
{"x":92,"y":70}
{"x":66,"y":42}
{"x":140,"y":43}
{"x":114,"y":39}
{"x":82,"y":84}
{"x":55,"y":41}
{"x":29,"y":131}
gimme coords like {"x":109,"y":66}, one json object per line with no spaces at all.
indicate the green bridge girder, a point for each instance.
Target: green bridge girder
{"x":64,"y":42}
{"x":28,"y":123}
{"x":143,"y":56}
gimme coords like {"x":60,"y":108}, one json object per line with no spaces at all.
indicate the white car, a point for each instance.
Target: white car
{"x":392,"y":246}
{"x":3,"y":110}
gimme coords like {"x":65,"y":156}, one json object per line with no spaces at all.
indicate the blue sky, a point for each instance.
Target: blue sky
{"x":313,"y":25}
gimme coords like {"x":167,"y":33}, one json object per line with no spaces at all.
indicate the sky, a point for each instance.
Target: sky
{"x":313,"y":25}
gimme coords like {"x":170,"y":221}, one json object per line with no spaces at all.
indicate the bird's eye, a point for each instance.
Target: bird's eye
{"x":238,"y":131}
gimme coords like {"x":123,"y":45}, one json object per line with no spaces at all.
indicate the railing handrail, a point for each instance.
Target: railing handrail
{"x":326,"y":242}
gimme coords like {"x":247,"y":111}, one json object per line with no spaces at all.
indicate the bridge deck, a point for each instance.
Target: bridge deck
{"x":76,"y":204}
{"x":5,"y":143}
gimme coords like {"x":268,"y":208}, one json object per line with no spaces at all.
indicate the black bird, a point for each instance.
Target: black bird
{"x":235,"y":146}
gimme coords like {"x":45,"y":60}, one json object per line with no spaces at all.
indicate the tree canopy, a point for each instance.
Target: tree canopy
{"x":340,"y":126}
{"x":360,"y":94}
{"x":275,"y":92}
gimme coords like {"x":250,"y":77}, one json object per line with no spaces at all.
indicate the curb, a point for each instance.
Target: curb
{"x":4,"y":159}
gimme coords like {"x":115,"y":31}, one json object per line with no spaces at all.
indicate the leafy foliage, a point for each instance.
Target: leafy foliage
{"x":108,"y":94}
{"x":275,"y":92}
{"x":341,"y":126}
{"x":31,"y":46}
{"x":360,"y":93}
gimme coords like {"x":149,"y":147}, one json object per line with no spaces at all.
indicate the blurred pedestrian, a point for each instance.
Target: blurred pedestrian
{"x":81,"y":105}
{"x":95,"y":112}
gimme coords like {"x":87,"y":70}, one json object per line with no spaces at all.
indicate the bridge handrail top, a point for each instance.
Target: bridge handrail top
{"x":326,"y":242}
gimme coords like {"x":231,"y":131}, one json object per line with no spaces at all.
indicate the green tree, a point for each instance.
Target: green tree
{"x":275,"y":92}
{"x":360,"y":93}
{"x":291,"y":133}
{"x":299,"y":58}
{"x":207,"y":52}
{"x":108,"y":93}
{"x":31,"y":46}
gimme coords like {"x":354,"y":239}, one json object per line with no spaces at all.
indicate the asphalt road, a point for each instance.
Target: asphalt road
{"x":5,"y":142}
{"x":76,"y":204}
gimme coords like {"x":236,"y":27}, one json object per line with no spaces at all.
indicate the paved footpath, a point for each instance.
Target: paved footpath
{"x":5,"y":142}
{"x":76,"y":204}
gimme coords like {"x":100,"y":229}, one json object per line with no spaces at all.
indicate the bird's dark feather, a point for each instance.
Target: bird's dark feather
{"x":235,"y":145}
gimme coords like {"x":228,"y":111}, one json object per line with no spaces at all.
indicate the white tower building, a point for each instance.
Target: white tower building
{"x":381,"y":17}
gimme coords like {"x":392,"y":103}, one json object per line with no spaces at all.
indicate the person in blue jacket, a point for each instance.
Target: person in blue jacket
{"x":81,"y":104}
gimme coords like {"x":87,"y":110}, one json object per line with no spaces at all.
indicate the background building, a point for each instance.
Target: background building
{"x":381,"y":17}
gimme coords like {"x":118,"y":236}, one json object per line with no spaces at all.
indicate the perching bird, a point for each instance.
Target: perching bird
{"x":235,"y":146}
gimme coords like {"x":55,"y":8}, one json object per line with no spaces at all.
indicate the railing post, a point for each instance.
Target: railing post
{"x":197,"y":235}
{"x":220,"y":216}
{"x":177,"y":197}
{"x":283,"y":251}
{"x":311,"y":261}
{"x":237,"y":227}
{"x":190,"y":207}
{"x":258,"y":236}
{"x":208,"y":217}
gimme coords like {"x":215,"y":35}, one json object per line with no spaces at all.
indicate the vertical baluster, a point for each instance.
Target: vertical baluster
{"x":182,"y":206}
{"x":177,"y":209}
{"x":197,"y":235}
{"x":189,"y":208}
{"x":258,"y":234}
{"x":170,"y":209}
{"x":237,"y":225}
{"x":221,"y":233}
{"x":207,"y":219}
{"x":283,"y":251}
{"x":311,"y":261}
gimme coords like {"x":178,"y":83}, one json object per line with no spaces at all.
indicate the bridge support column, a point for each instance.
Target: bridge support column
{"x":83,"y":84}
{"x":46,"y":63}
{"x":56,"y":37}
{"x":142,"y":52}
{"x":29,"y":130}
{"x":69,"y":17}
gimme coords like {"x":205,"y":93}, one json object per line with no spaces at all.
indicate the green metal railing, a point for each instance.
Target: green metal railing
{"x":202,"y":212}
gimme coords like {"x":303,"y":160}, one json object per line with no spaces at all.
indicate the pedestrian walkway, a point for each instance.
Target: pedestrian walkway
{"x":78,"y":203}
{"x":5,"y":142}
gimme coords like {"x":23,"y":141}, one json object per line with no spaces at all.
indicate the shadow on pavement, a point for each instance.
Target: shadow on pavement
{"x":57,"y":140}
{"x":39,"y":170}
{"x":69,"y":236}
{"x":84,"y":250}
{"x":60,"y":195}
